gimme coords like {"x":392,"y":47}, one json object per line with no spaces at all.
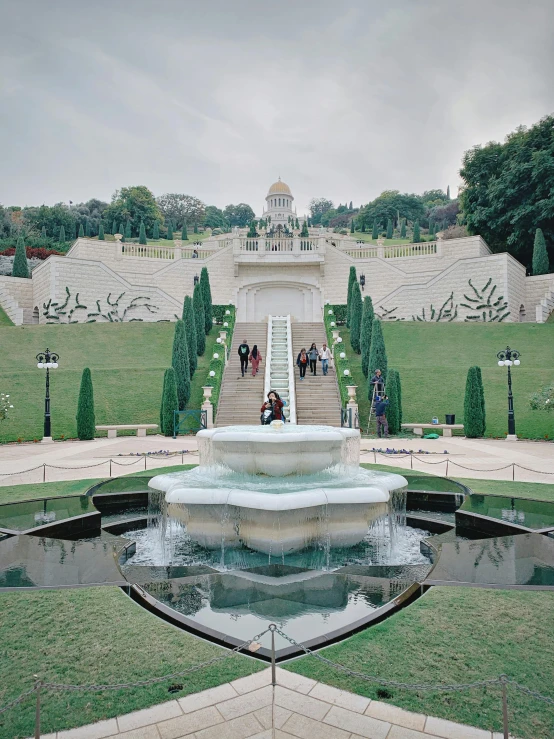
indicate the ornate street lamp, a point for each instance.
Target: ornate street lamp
{"x":506,"y":358}
{"x":47,"y":360}
{"x":362,"y":281}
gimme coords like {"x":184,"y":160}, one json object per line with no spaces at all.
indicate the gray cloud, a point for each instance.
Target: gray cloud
{"x":218,"y":98}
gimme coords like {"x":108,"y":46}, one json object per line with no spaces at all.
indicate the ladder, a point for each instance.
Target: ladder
{"x":374,"y":396}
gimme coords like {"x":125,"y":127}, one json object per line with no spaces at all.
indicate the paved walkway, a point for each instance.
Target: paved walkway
{"x":302,"y":708}
{"x":485,"y":455}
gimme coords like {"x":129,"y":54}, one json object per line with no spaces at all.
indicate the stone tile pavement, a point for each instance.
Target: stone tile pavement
{"x":297,"y":707}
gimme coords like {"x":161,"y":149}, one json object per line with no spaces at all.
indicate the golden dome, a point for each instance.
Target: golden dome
{"x":279,"y":188}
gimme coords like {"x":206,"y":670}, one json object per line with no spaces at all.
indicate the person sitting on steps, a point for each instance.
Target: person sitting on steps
{"x":244,"y":353}
{"x":302,"y":362}
{"x":271,"y":409}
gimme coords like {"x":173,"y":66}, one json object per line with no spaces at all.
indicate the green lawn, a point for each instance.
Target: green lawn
{"x":95,"y":635}
{"x":127,"y":361}
{"x":192,"y":237}
{"x":433,"y":360}
{"x":359,"y":236}
{"x":456,"y":635}
{"x":4,"y":320}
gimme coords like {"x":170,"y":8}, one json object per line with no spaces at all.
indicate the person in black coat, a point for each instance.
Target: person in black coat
{"x":244,"y":353}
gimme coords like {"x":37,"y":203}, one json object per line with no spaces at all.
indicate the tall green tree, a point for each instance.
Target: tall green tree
{"x":356,"y":308}
{"x":352,"y":278}
{"x":297,"y":225}
{"x":389,"y":228}
{"x":399,"y":395}
{"x":377,"y":353}
{"x":474,"y":405}
{"x":180,"y":363}
{"x":122,"y":229}
{"x":368,"y":316}
{"x":43,"y":232}
{"x":156,"y":231}
{"x":128,"y":230}
{"x":85,"y":408}
{"x":432,"y":229}
{"x":352,"y":228}
{"x":87,"y":228}
{"x":114,"y":227}
{"x":393,"y":411}
{"x":20,"y":266}
{"x":101,"y":236}
{"x":448,"y":192}
{"x":136,"y":204}
{"x":142,"y":234}
{"x":190,"y":330}
{"x":541,"y":264}
{"x":375,"y":231}
{"x":304,"y":233}
{"x":206,"y":299}
{"x":74,"y":231}
{"x":362,"y":227}
{"x":195,"y":227}
{"x":184,"y":234}
{"x":61,"y":237}
{"x":169,"y":231}
{"x":403,"y":229}
{"x":199,"y":319}
{"x":81,"y":231}
{"x":170,"y":402}
{"x":417,"y":234}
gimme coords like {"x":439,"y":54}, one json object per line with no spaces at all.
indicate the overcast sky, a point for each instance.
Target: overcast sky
{"x":218,"y":98}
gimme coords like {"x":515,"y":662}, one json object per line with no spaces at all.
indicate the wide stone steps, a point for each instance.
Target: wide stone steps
{"x":317,"y":397}
{"x":241,"y":398}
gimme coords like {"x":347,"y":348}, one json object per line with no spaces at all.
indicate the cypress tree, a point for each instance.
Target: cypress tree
{"x":61,"y":237}
{"x":448,"y":191}
{"x":375,"y":231}
{"x":169,"y":230}
{"x":356,"y":308}
{"x":389,"y":229}
{"x":304,"y":232}
{"x":142,"y":233}
{"x":101,"y":232}
{"x":403,"y":229}
{"x":128,"y":230}
{"x":363,"y":227}
{"x":432,"y":230}
{"x":122,"y":230}
{"x":352,"y":278}
{"x":377,"y":353}
{"x":399,"y":392}
{"x":417,"y":236}
{"x":81,"y":231}
{"x":74,"y":231}
{"x":474,"y":404}
{"x":43,"y":232}
{"x":156,"y":231}
{"x":88,"y":232}
{"x":180,"y":363}
{"x":114,"y":227}
{"x":541,"y":265}
{"x":184,"y":235}
{"x":195,"y":227}
{"x":393,"y":411}
{"x":20,"y":264}
{"x":352,"y":229}
{"x":297,"y":225}
{"x":368,"y":317}
{"x":199,"y":321}
{"x":85,"y":408}
{"x":170,"y":402}
{"x":190,"y":330}
{"x":206,"y":298}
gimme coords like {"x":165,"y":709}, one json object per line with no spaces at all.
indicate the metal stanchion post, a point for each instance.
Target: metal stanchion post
{"x":145,"y":462}
{"x":110,"y":466}
{"x":504,"y":707}
{"x":411,"y":461}
{"x":272,"y":628}
{"x":513,"y":472}
{"x":38,"y":683}
{"x":374,"y":457}
{"x":446,"y":468}
{"x":44,"y":473}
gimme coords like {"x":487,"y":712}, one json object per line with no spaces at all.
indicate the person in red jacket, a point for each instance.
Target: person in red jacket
{"x":272,"y":408}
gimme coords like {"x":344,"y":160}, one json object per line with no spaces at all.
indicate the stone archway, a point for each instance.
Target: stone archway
{"x":36,"y":316}
{"x":257,"y":301}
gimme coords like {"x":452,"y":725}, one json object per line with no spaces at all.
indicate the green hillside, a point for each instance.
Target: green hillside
{"x":128,"y":359}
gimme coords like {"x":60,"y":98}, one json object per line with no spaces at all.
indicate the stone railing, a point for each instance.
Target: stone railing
{"x":262,"y":244}
{"x":164,"y":252}
{"x":402,"y":251}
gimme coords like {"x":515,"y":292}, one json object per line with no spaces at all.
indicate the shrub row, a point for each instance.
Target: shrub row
{"x":217,"y":366}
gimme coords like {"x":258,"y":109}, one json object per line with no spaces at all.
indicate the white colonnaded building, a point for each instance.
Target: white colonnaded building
{"x":279,"y":272}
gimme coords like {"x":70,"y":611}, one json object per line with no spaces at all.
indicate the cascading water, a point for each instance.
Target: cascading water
{"x":261,"y":495}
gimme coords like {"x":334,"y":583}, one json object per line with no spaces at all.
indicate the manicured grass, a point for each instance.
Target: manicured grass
{"x":456,"y":635}
{"x":95,"y":635}
{"x":127,"y":361}
{"x":4,"y":319}
{"x":433,"y":359}
{"x":359,"y":236}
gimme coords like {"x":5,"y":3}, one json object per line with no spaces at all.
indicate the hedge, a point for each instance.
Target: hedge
{"x":218,"y":365}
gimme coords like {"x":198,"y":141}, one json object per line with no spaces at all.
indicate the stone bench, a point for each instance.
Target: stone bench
{"x":112,"y":429}
{"x":446,"y":427}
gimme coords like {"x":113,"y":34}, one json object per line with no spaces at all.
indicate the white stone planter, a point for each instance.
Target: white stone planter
{"x":208,"y":389}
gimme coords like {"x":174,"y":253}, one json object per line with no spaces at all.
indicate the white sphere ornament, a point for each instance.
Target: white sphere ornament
{"x":330,"y":312}
{"x":342,"y":355}
{"x":216,"y":355}
{"x":508,"y":362}
{"x":225,"y":324}
{"x":40,"y":365}
{"x":333,"y":323}
{"x":227,"y":312}
{"x":517,"y":362}
{"x":218,"y":340}
{"x":212,"y":373}
{"x":55,"y":365}
{"x":501,"y":363}
{"x":339,"y":340}
{"x":347,"y":372}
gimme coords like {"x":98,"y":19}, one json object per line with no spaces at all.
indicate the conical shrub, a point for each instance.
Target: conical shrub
{"x":352,"y":278}
{"x":142,"y":234}
{"x":170,"y":402}
{"x":180,"y":363}
{"x":377,"y":354}
{"x":474,"y":405}
{"x":20,"y":264}
{"x":355,"y":317}
{"x":393,"y":412}
{"x":190,"y":330}
{"x":206,"y":299}
{"x":199,"y":321}
{"x":541,"y":265}
{"x":368,"y":316}
{"x":85,"y":408}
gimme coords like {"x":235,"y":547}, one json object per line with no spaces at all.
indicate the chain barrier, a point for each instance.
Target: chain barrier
{"x":18,"y":700}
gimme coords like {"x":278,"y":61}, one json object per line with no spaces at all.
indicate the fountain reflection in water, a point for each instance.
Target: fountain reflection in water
{"x":272,"y":494}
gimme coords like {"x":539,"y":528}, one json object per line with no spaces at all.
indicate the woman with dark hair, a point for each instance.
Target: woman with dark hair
{"x":255,"y":359}
{"x":272,"y":408}
{"x":302,"y":362}
{"x":313,"y":356}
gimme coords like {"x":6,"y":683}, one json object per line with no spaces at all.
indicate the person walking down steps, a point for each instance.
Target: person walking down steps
{"x":302,"y":362}
{"x":313,"y":356}
{"x":381,"y":405}
{"x":244,"y":353}
{"x":325,"y":356}
{"x":255,"y":359}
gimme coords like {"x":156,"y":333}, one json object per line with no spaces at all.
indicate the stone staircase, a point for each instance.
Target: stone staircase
{"x":279,"y":362}
{"x":545,"y":307}
{"x":241,"y":398}
{"x":317,"y":398}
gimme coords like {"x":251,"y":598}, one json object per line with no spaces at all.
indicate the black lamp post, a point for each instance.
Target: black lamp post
{"x":508,"y":357}
{"x":362,"y":281}
{"x":47,"y":360}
